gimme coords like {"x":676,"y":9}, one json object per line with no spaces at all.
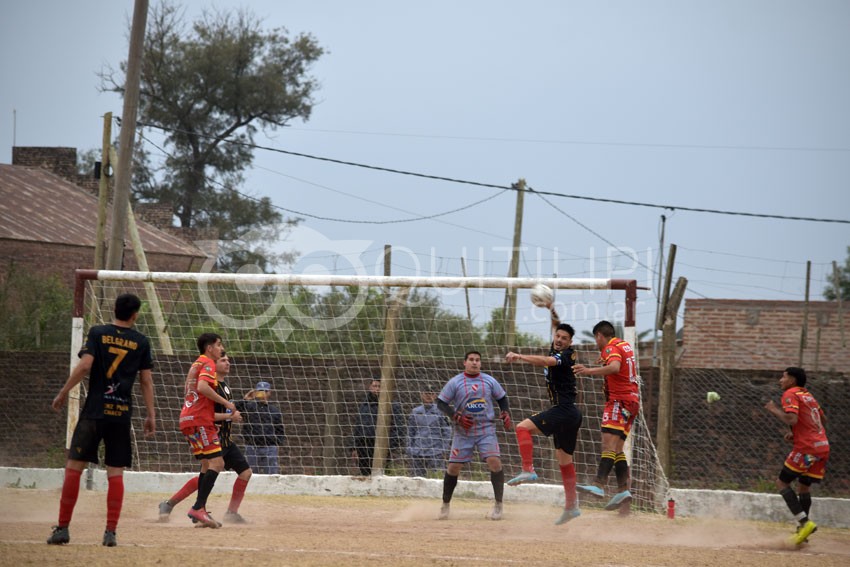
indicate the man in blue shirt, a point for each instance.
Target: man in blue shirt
{"x":428,"y":436}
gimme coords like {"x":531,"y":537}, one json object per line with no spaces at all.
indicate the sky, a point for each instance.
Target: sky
{"x":724,"y":105}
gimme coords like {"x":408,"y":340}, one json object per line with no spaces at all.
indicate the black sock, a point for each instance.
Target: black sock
{"x":205,"y":487}
{"x":621,"y":469}
{"x":449,"y":483}
{"x":606,"y":463}
{"x":497,"y":479}
{"x":806,"y":502}
{"x":793,"y":503}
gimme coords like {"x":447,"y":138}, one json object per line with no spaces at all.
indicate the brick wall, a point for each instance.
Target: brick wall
{"x":156,"y":214}
{"x":734,"y":444}
{"x":59,"y":161}
{"x":743,"y":334}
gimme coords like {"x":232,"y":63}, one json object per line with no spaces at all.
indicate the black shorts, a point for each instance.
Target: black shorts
{"x":234,"y":460}
{"x":116,"y":440}
{"x":562,"y":422}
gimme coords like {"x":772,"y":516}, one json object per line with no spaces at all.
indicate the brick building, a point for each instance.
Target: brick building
{"x":762,"y":335}
{"x":48,"y":220}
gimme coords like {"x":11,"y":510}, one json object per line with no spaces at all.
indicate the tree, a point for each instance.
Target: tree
{"x":843,"y":282}
{"x":210,"y":89}
{"x":31,"y":304}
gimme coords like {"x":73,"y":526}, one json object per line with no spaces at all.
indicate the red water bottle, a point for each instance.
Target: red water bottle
{"x":671,"y":508}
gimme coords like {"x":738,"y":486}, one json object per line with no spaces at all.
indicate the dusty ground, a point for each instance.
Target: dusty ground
{"x":295,"y":530}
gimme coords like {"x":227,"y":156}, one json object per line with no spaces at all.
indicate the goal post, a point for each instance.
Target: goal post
{"x":319,"y":339}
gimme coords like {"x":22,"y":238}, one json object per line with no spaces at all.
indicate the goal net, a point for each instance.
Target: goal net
{"x":319,"y":340}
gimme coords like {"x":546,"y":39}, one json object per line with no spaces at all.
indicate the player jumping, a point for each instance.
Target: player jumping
{"x":561,"y":421}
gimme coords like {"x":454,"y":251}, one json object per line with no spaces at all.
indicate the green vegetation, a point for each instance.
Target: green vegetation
{"x":35,"y":312}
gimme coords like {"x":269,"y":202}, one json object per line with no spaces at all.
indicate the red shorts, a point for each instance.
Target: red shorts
{"x":204,"y":441}
{"x":619,"y":415}
{"x":802,"y":464}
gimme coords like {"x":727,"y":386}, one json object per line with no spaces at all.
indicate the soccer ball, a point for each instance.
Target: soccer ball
{"x":541,"y":295}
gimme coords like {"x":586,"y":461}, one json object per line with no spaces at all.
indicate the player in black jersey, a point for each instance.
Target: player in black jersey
{"x":561,"y":421}
{"x":231,"y":453}
{"x":112,"y":357}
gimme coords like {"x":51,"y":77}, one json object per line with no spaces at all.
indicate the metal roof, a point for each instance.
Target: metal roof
{"x":38,"y":206}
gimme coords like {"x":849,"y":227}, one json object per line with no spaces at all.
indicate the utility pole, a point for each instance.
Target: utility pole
{"x":123,"y":172}
{"x":804,"y":332}
{"x":658,"y":293}
{"x":510,"y":310}
{"x":667,"y":376}
{"x":103,"y":192}
{"x":836,"y":283}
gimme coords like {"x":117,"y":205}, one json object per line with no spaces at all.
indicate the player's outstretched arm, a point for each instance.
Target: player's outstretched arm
{"x":532,"y":359}
{"x":80,"y":371}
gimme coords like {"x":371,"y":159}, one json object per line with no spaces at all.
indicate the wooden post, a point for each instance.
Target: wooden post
{"x":805,"y":330}
{"x":102,"y":204}
{"x":836,"y":283}
{"x":103,"y":193}
{"x":668,"y":278}
{"x":388,"y":265}
{"x":383,"y":428}
{"x":466,"y":290}
{"x":667,"y":374}
{"x":150,"y":289}
{"x":510,"y":311}
{"x":332,"y":434}
{"x":126,"y":137}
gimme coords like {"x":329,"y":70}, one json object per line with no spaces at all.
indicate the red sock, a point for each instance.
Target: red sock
{"x":114,"y":501}
{"x":526,"y":448}
{"x":568,"y":476}
{"x":70,"y":492}
{"x":188,"y":488}
{"x":238,"y":492}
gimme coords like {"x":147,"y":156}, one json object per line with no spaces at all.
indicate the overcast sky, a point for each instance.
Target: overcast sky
{"x":738,"y":106}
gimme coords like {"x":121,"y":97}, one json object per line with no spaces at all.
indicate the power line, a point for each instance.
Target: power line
{"x":494,"y":186}
{"x":577,"y":142}
{"x":333,"y":219}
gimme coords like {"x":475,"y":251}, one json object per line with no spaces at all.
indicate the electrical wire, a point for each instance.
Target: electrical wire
{"x":494,"y":186}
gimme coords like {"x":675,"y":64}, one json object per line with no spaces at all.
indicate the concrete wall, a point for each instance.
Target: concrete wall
{"x":827,"y":512}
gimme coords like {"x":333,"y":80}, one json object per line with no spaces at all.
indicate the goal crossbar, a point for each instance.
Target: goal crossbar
{"x":629,"y":286}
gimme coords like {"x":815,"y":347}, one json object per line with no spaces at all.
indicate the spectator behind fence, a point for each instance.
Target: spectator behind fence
{"x":262,"y":429}
{"x":429,"y":436}
{"x":362,"y":442}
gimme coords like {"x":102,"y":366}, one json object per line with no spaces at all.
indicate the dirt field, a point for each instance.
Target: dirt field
{"x":295,"y":530}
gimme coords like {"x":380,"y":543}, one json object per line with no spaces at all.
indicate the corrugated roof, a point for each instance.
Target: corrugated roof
{"x":36,"y":205}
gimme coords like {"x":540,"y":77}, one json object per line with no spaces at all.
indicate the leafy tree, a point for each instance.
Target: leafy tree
{"x":496,"y":333}
{"x":843,"y":282}
{"x":211,"y":88}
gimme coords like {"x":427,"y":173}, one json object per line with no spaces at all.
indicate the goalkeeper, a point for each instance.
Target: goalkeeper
{"x":561,"y":421}
{"x":468,"y":399}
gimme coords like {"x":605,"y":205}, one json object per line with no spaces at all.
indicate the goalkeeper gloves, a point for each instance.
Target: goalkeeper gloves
{"x":463,"y":420}
{"x":506,"y":420}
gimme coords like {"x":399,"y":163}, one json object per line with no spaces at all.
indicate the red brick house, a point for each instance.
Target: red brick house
{"x":763,"y":335}
{"x":48,"y":221}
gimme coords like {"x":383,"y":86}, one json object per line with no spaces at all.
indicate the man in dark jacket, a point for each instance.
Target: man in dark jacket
{"x":363,"y":438}
{"x":262,"y":429}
